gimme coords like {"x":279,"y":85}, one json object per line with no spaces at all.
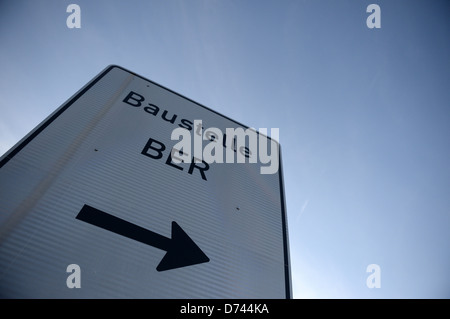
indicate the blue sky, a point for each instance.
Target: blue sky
{"x":363,"y":114}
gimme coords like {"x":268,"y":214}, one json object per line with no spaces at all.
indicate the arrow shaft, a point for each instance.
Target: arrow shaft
{"x":122,"y":227}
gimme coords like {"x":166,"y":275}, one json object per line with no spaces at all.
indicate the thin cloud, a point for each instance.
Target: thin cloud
{"x":305,"y":204}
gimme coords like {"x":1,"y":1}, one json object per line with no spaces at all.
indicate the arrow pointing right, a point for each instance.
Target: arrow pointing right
{"x":181,"y":249}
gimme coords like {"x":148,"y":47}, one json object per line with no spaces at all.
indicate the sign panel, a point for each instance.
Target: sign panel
{"x":95,"y":203}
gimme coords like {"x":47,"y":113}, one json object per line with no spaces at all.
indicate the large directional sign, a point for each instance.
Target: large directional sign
{"x":96,"y":202}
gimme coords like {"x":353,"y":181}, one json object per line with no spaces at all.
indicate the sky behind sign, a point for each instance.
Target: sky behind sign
{"x":363,"y":114}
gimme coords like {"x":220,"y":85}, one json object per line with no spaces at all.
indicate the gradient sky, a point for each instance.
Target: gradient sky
{"x":363,"y":114}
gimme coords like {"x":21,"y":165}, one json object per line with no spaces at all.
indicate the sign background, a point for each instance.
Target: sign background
{"x":89,"y":152}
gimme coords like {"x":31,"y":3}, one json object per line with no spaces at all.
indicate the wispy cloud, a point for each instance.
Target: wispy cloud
{"x":305,"y":204}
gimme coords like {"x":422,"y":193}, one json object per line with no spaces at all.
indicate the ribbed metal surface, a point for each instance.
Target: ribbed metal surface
{"x":91,"y":154}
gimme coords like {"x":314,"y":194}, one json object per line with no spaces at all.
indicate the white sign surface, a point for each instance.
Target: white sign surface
{"x":92,"y":205}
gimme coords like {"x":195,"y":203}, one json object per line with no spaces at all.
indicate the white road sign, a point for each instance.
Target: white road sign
{"x":95,"y":203}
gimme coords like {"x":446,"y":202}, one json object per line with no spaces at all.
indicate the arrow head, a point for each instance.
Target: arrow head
{"x":182,"y":251}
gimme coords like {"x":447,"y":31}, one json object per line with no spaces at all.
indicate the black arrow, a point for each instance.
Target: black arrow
{"x":181,"y":249}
